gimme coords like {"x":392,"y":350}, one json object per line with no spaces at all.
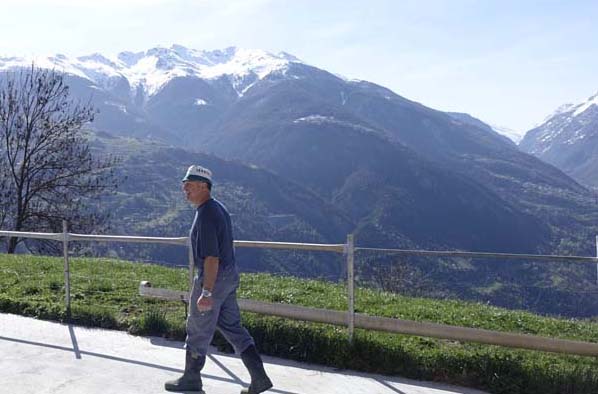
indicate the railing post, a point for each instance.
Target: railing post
{"x":597,"y":257}
{"x":350,"y":250}
{"x":67,"y":274}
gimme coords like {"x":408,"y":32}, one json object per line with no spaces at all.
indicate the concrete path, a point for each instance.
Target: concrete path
{"x":40,"y":357}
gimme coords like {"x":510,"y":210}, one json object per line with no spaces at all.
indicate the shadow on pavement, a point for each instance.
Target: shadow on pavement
{"x":78,"y":353}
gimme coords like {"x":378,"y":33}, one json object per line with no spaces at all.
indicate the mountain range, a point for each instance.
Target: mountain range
{"x":307,"y":155}
{"x":568,"y":139}
{"x":264,"y":207}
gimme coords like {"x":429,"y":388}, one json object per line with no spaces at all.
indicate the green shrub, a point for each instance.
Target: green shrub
{"x":55,"y":286}
{"x":152,"y":322}
{"x":94,"y":316}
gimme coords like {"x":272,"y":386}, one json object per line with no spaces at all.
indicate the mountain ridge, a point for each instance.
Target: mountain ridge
{"x":568,"y":139}
{"x":152,"y":69}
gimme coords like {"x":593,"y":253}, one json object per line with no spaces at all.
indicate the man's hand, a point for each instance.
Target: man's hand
{"x":204,"y":304}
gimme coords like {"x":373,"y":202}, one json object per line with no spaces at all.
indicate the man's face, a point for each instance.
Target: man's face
{"x":196,"y":192}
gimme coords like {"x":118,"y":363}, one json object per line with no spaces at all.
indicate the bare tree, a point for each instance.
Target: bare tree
{"x":5,"y":191}
{"x":47,"y":172}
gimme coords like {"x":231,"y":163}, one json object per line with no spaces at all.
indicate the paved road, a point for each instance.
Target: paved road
{"x":40,"y":357}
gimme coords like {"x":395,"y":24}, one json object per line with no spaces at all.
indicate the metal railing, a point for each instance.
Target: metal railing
{"x":349,"y":319}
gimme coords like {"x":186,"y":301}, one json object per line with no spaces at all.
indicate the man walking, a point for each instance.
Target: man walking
{"x":213,"y":302}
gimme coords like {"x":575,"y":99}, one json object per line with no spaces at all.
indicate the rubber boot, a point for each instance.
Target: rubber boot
{"x":191,"y":379}
{"x":259,"y":380}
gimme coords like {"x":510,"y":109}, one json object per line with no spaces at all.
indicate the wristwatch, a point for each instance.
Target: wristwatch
{"x":206,"y":293}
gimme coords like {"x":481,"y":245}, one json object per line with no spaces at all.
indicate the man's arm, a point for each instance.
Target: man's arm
{"x":210,"y":248}
{"x":210,"y":272}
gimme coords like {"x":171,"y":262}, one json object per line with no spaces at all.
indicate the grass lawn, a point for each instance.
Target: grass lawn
{"x":104,"y":293}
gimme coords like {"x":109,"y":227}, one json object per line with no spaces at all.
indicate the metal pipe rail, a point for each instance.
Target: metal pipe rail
{"x":23,"y":234}
{"x":92,"y":237}
{"x":348,"y":318}
{"x":338,"y":248}
{"x":398,"y":326}
{"x":485,"y":255}
{"x":129,"y":239}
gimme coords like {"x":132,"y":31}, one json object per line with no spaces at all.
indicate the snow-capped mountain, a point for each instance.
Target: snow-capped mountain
{"x":505,"y":133}
{"x":511,"y":134}
{"x":569,"y":140}
{"x":150,"y":70}
{"x":162,"y":93}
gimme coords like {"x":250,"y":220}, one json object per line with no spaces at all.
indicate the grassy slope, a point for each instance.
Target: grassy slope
{"x":104,"y":293}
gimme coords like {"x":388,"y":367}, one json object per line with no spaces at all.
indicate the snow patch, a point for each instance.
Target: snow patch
{"x":321,"y":119}
{"x":119,"y":106}
{"x":154,"y":68}
{"x":343,"y":98}
{"x":585,"y":106}
{"x":560,"y":110}
{"x":511,"y":134}
{"x":578,"y":135}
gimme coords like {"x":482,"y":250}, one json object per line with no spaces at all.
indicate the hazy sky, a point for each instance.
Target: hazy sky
{"x":509,"y":63}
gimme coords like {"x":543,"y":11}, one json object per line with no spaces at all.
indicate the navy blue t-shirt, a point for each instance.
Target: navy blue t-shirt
{"x":212,"y":235}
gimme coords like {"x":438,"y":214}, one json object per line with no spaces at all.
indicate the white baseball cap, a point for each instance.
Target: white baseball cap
{"x":198,"y":173}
